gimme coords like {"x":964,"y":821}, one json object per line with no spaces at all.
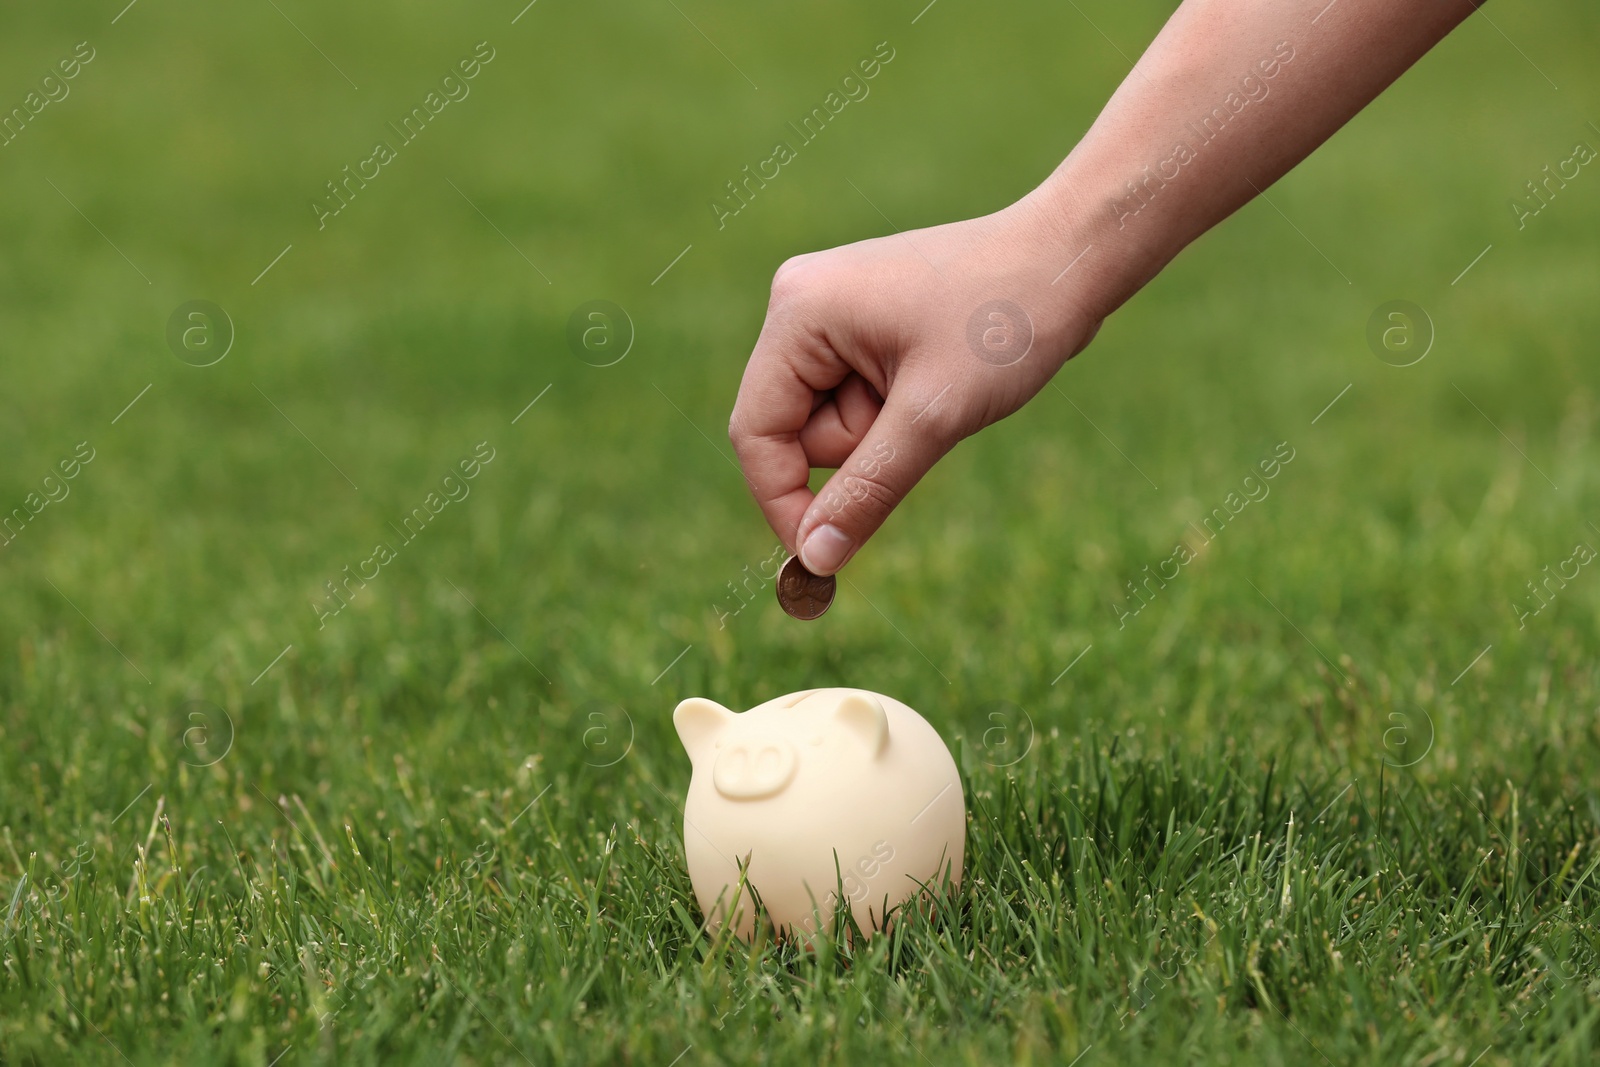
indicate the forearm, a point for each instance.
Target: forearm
{"x":1229,"y":97}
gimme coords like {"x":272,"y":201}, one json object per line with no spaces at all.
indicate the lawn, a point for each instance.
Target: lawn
{"x":1331,"y":795}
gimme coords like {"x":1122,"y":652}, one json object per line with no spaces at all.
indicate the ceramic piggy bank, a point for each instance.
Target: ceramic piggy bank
{"x":821,"y":794}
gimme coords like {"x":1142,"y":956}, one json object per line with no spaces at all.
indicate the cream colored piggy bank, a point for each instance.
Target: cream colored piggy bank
{"x":823,"y":794}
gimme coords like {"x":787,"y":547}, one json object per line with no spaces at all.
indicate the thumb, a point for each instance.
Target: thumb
{"x":909,"y":435}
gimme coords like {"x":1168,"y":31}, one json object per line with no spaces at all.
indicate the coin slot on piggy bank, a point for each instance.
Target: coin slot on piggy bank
{"x":809,"y":789}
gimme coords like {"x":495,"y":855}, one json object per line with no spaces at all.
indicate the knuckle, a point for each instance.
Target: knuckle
{"x":861,"y":498}
{"x":938,"y":424}
{"x":786,"y":270}
{"x":943,"y":422}
{"x":745,"y":412}
{"x":794,"y":277}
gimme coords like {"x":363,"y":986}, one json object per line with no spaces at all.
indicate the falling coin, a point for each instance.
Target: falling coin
{"x":802,"y":594}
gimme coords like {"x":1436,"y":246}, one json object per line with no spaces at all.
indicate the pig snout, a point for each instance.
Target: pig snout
{"x":749,"y":770}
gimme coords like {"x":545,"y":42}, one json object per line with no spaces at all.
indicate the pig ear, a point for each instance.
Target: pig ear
{"x":697,"y":719}
{"x":861,"y":715}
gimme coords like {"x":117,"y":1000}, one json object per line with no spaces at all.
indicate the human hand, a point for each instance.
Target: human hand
{"x":877,"y":358}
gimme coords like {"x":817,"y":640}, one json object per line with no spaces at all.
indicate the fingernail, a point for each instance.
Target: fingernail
{"x":825,"y":549}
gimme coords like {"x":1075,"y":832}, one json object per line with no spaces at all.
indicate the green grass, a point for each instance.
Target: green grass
{"x":1287,"y":814}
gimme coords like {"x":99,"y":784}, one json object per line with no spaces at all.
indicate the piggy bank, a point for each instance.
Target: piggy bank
{"x":820,"y":795}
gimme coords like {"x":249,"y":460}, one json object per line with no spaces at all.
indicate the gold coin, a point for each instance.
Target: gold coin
{"x":802,"y":594}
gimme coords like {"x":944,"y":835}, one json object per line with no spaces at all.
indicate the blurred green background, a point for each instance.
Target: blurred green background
{"x":555,"y":616}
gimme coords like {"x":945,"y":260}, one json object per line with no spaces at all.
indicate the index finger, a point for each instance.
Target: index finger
{"x":787,"y":371}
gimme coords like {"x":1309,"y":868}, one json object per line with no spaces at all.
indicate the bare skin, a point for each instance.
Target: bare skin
{"x":877,"y":358}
